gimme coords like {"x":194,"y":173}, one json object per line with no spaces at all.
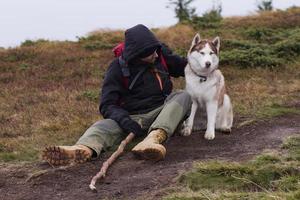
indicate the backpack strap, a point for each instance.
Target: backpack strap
{"x":124,"y":67}
{"x":163,"y":62}
{"x":136,"y":77}
{"x":125,"y":71}
{"x":126,"y":74}
{"x":119,"y":49}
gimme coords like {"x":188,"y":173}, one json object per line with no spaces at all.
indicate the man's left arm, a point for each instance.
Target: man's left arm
{"x":175,"y":63}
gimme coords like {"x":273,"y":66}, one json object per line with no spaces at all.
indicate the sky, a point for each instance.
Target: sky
{"x":68,"y":19}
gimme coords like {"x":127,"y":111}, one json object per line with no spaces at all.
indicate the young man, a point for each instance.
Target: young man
{"x":136,"y":98}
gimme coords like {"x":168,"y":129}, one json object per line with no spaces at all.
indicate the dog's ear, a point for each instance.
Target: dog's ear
{"x":216,"y":43}
{"x":196,"y":39}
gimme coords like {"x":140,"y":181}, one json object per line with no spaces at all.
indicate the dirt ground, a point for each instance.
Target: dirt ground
{"x":135,"y":179}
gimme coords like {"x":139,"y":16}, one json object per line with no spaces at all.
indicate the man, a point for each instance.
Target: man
{"x":136,"y":98}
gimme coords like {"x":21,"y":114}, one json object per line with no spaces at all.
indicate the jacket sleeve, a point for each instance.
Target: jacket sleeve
{"x":110,"y":96}
{"x":176,"y":64}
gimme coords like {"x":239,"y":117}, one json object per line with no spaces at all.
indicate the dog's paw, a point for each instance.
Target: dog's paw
{"x":186,"y":131}
{"x":209,"y":135}
{"x":225,"y":130}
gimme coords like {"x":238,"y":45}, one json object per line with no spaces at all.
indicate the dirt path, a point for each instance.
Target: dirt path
{"x":134,"y":179}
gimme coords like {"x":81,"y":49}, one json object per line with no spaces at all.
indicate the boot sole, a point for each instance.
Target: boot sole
{"x":59,"y":156}
{"x":149,"y":154}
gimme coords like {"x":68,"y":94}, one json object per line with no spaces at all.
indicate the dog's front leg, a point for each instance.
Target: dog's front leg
{"x":188,"y":126}
{"x":211,"y":109}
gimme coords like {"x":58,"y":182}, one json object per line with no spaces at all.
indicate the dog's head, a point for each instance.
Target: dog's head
{"x":203,"y":54}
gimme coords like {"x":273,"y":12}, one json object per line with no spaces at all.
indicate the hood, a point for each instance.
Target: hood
{"x":137,"y":40}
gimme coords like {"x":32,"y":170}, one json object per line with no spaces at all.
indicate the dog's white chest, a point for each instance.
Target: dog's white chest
{"x":201,"y":90}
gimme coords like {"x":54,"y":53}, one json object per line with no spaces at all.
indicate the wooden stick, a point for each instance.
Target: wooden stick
{"x":110,"y":160}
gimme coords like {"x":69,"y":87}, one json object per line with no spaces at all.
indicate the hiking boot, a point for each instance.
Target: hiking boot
{"x":150,"y":148}
{"x":64,"y":155}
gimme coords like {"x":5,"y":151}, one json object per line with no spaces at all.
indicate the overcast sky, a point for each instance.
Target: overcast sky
{"x":66,"y":19}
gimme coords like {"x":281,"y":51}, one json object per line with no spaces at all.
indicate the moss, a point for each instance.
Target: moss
{"x":216,"y":176}
{"x":288,"y":183}
{"x":265,"y":159}
{"x":8,"y":156}
{"x":292,"y":145}
{"x":267,"y":176}
{"x":276,"y":110}
{"x":294,"y":196}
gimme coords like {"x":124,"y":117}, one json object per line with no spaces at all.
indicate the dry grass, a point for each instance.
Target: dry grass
{"x":177,"y":37}
{"x":43,"y":97}
{"x":254,"y":89}
{"x":268,"y":19}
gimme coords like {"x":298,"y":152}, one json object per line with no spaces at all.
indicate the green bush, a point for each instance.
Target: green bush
{"x":28,"y":43}
{"x":263,"y":48}
{"x":97,"y":45}
{"x":253,"y":57}
{"x":238,"y":44}
{"x":288,"y":48}
{"x":18,"y":54}
{"x":265,"y":35}
{"x":101,"y":40}
{"x":210,"y":19}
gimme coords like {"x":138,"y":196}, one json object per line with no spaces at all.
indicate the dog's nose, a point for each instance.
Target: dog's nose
{"x":207,"y":64}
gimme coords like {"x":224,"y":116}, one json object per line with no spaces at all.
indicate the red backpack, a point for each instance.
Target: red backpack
{"x":118,"y":50}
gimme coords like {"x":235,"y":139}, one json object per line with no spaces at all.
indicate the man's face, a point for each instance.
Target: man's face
{"x":151,"y":58}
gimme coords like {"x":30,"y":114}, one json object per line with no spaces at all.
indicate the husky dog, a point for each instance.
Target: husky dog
{"x":206,"y":85}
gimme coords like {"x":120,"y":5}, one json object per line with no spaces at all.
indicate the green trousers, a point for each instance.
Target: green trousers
{"x":106,"y":133}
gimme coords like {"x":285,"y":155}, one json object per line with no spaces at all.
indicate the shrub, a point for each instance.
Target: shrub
{"x":266,"y":35}
{"x":28,"y":43}
{"x":18,"y":54}
{"x":238,"y":44}
{"x":254,"y":57}
{"x":97,"y":45}
{"x":210,"y":19}
{"x":99,"y":40}
{"x":288,"y":48}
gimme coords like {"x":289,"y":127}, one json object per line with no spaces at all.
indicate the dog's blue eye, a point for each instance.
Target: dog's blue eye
{"x":202,"y":53}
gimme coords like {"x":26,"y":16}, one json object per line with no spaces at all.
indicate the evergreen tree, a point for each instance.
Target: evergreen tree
{"x":265,"y":5}
{"x":182,"y":9}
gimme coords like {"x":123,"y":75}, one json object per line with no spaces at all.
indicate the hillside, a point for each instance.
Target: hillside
{"x":49,"y":89}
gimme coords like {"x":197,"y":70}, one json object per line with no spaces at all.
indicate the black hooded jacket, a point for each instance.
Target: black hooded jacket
{"x":150,"y":89}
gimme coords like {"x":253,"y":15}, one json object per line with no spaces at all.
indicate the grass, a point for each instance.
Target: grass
{"x":49,"y":89}
{"x":268,"y":176}
{"x":276,"y":110}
